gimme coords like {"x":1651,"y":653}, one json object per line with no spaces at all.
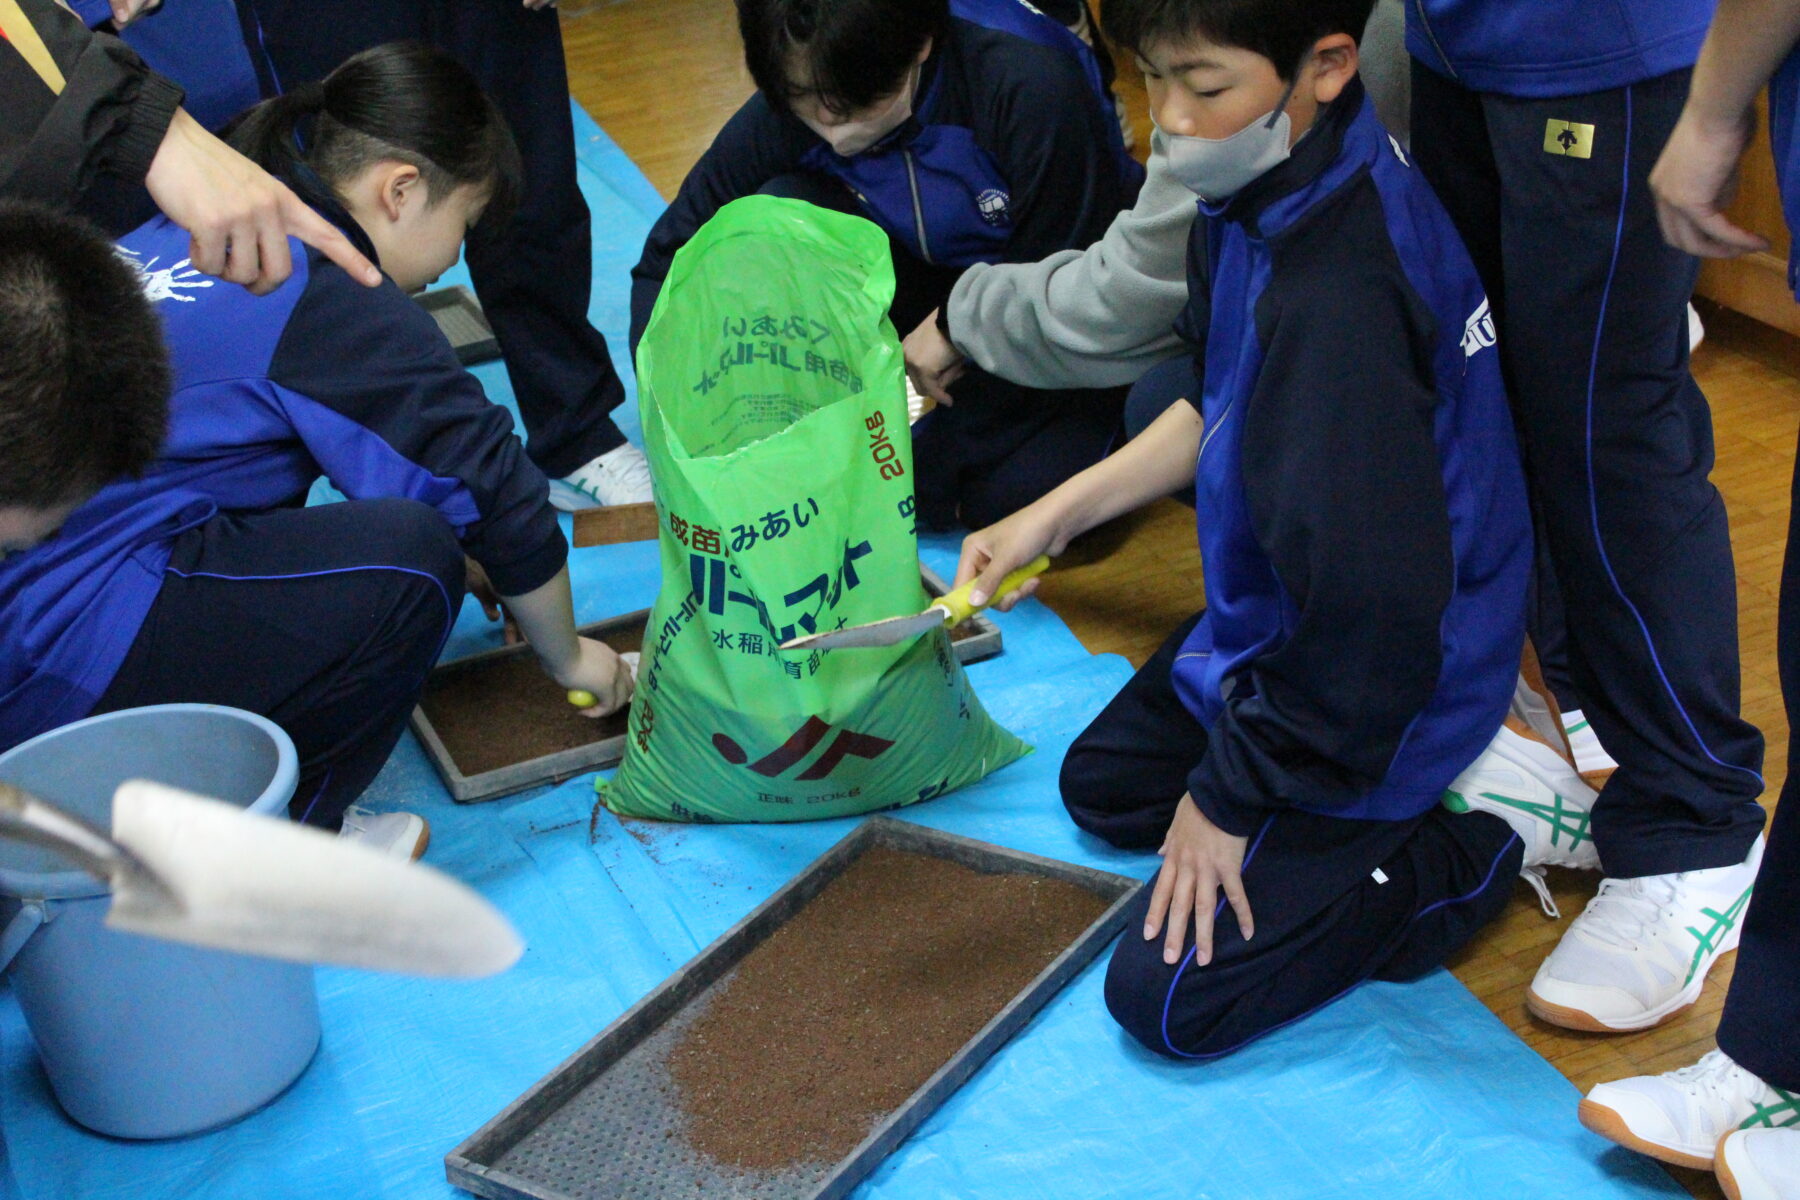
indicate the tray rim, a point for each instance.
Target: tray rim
{"x":472,"y":1164}
{"x":546,"y":768}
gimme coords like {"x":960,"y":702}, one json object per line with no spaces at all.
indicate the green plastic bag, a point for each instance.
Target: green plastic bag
{"x":773,"y":400}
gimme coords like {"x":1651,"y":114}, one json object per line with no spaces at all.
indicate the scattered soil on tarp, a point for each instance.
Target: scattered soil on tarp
{"x":508,"y":711}
{"x":829,"y":1025}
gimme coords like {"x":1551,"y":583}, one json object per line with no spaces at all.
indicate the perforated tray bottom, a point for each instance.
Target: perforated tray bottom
{"x":622,"y":1136}
{"x":607,"y":1122}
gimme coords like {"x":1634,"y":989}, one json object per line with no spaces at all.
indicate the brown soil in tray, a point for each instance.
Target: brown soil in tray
{"x":829,"y":1025}
{"x":508,"y":711}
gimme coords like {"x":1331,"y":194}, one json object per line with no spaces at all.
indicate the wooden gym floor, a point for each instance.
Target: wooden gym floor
{"x":662,"y":76}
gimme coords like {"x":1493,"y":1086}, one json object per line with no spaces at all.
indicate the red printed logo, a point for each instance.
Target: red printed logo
{"x":805,"y":739}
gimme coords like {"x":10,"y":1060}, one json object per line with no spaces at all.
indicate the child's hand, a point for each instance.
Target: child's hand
{"x":599,"y":671}
{"x":238,"y":215}
{"x":932,"y":362}
{"x":481,"y":587}
{"x":1199,"y":859}
{"x":990,"y":555}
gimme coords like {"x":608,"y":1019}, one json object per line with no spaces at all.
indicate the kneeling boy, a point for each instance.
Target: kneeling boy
{"x":1366,"y":544}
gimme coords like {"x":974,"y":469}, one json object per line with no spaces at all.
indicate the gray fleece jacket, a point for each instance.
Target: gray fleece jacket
{"x":1103,"y":316}
{"x":1098,"y":317}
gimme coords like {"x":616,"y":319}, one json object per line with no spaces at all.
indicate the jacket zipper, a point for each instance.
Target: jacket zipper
{"x":912,"y":179}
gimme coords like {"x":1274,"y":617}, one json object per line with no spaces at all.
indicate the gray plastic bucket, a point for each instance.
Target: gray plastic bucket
{"x":143,"y":1038}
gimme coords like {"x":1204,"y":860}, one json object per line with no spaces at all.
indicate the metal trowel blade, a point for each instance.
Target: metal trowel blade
{"x":890,"y":632}
{"x":266,"y":886}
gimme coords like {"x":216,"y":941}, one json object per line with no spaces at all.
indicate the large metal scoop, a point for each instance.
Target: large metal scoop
{"x":189,"y":869}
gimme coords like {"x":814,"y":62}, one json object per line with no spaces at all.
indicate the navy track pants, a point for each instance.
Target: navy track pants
{"x":325,"y":620}
{"x":1617,"y":439}
{"x":1337,"y":902}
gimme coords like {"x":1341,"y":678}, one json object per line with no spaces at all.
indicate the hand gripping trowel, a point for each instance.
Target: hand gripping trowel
{"x":949,"y":610}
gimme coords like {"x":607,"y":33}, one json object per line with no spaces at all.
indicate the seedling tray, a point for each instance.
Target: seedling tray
{"x":459,"y":315}
{"x":548,"y":768}
{"x":606,"y":1124}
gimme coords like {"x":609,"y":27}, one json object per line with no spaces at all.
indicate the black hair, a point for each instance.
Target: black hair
{"x":84,"y":377}
{"x":1282,"y":31}
{"x":854,"y":51}
{"x":404,"y":101}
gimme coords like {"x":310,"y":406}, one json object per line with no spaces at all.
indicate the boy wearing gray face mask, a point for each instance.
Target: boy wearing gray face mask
{"x":1366,"y":544}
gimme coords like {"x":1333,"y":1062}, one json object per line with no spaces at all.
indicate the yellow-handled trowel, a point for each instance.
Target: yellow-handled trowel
{"x":948,"y":610}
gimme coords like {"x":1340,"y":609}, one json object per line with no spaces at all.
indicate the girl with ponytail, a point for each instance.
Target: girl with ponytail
{"x":208,"y":579}
{"x":403,"y":140}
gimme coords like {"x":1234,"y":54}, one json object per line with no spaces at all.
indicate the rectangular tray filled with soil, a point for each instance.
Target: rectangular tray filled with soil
{"x":493,"y":724}
{"x":804,"y":1045}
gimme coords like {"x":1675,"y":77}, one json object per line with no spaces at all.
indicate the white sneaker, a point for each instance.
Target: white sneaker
{"x":1591,"y":758}
{"x":400,"y":835}
{"x":1760,"y":1164}
{"x":1680,"y":1116}
{"x":1525,"y":782}
{"x":1538,"y":793}
{"x":1533,"y":711}
{"x":620,"y":476}
{"x":1696,"y":335}
{"x":1639,"y":953}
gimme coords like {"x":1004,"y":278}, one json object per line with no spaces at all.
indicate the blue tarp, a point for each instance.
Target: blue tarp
{"x":1398,"y":1091}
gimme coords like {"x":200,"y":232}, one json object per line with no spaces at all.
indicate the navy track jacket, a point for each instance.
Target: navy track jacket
{"x":1544,"y":48}
{"x":1013,"y":153}
{"x":1784,"y":138}
{"x":80,"y":128}
{"x":1362,"y":513}
{"x":322,"y":377}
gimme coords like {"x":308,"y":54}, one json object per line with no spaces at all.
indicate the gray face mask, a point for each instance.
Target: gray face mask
{"x":1216,"y":169}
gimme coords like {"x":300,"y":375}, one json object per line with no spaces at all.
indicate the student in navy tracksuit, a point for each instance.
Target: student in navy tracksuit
{"x":533,"y":274}
{"x":1537,"y":123}
{"x":1366,"y":544}
{"x":1739,"y":1106}
{"x":971,"y":131}
{"x":205,"y":580}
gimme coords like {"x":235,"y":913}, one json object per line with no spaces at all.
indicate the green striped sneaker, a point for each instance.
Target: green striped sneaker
{"x":1681,"y":1116}
{"x":1639,"y":953}
{"x":1527,"y":783}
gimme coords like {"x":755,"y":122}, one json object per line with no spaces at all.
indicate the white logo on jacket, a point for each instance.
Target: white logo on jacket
{"x":168,"y":283}
{"x":994,"y":205}
{"x":1478,"y":331}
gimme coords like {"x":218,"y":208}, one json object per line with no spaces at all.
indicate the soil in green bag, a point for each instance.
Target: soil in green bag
{"x":508,"y":711}
{"x":828,"y":1026}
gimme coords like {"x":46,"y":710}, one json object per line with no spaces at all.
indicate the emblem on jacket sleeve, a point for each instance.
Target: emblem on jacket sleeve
{"x":1478,"y":331}
{"x":995,"y":206}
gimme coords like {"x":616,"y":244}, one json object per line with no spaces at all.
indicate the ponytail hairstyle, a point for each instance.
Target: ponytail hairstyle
{"x":403,"y":101}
